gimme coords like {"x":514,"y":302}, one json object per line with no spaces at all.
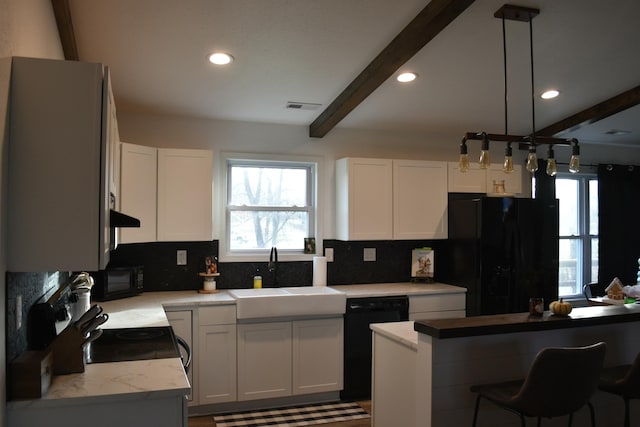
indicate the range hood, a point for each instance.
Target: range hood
{"x":118,"y":219}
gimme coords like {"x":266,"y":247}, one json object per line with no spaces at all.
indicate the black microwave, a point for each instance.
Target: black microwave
{"x":117,"y":282}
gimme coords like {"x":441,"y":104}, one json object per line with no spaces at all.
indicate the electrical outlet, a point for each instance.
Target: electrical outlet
{"x":328,"y":252}
{"x":369,"y":254}
{"x":18,"y":312}
{"x":181,"y":257}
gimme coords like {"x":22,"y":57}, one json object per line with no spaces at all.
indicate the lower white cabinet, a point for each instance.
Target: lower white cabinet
{"x":182,"y":324}
{"x":264,"y":360}
{"x":279,"y":359}
{"x":217,"y":354}
{"x":317,"y":355}
{"x":443,"y":306}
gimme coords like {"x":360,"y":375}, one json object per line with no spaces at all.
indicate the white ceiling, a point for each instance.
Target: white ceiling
{"x":310,"y":50}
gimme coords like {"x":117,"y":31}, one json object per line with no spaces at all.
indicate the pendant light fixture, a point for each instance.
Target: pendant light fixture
{"x":522,"y":14}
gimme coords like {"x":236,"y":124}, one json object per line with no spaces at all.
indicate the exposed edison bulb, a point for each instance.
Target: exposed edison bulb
{"x":552,"y":167}
{"x":532,"y":159}
{"x":507,"y":166}
{"x":463,"y":164}
{"x":485,"y":161}
{"x":574,"y":163}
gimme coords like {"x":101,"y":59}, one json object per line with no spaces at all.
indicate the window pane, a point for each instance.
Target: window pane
{"x":264,"y":229}
{"x":569,"y":267}
{"x":567,"y":193}
{"x":268,"y":186}
{"x":594,"y":260}
{"x":593,"y":207}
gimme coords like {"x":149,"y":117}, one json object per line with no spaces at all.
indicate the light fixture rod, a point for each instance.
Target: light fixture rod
{"x":549,"y":140}
{"x":504,"y":55}
{"x":533,"y":97}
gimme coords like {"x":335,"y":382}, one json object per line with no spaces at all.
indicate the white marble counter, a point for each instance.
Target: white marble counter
{"x":400,"y":332}
{"x":394,"y":289}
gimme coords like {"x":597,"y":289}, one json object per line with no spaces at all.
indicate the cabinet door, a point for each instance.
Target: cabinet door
{"x":364,"y":199}
{"x":419,"y":200}
{"x":264,"y":360}
{"x":182,"y":324}
{"x":317,"y":355}
{"x":216,"y":364}
{"x":138,"y":193}
{"x":185,"y":183}
{"x":472,"y":181}
{"x":512,"y":181}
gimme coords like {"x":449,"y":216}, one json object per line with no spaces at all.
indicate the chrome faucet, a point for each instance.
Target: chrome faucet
{"x":273,"y":264}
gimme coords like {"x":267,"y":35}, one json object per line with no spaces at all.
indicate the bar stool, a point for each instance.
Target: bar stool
{"x":624,"y":381}
{"x":559,"y":382}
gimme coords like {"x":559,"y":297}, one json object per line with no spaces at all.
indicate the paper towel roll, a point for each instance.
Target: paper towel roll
{"x":319,"y":271}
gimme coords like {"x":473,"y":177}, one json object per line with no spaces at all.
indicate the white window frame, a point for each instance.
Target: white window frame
{"x":583,"y":237}
{"x":315,"y":165}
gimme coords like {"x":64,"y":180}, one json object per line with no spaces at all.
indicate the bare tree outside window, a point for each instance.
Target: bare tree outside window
{"x":269,"y":204}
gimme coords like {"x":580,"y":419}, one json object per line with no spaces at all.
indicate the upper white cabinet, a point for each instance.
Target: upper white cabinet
{"x":62,"y":131}
{"x":379,"y":199}
{"x":419,"y":200}
{"x":169,"y":190}
{"x":138,"y":194}
{"x":185,"y":193}
{"x":364,"y":199}
{"x":477,"y":180}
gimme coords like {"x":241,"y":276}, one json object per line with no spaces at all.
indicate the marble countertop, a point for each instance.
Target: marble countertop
{"x":393,"y":289}
{"x":523,"y":322}
{"x":401,"y":332}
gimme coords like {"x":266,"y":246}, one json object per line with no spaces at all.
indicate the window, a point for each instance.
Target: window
{"x":578,"y":195}
{"x":269,"y":203}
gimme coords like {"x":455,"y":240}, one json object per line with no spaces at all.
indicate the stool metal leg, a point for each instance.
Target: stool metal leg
{"x":475,"y":414}
{"x":627,"y":420}
{"x":593,"y":414}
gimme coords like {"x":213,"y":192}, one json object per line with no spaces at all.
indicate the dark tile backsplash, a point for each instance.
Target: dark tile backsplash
{"x":34,"y":288}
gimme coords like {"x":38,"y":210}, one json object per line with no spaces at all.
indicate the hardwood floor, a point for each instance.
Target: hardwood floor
{"x":207,"y":420}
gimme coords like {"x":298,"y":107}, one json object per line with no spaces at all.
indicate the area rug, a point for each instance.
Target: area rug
{"x":294,"y":416}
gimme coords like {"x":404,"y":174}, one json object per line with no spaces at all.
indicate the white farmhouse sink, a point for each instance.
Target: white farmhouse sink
{"x":288,"y":302}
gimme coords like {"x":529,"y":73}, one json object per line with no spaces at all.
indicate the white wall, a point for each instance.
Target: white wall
{"x":27,"y":28}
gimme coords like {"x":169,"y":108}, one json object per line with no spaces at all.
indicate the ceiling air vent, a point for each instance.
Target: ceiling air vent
{"x":302,"y":106}
{"x":617,"y":132}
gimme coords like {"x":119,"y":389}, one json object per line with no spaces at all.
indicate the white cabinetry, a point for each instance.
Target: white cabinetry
{"x":279,"y":359}
{"x":60,"y":166}
{"x":364,"y":199}
{"x":185,"y":183}
{"x":171,"y":190}
{"x":182,"y":324}
{"x":379,"y":199}
{"x":477,"y":180}
{"x":217,"y":355}
{"x":442,"y":306}
{"x":419,"y":200}
{"x":317,"y":355}
{"x":138,"y":174}
{"x":264,"y":360}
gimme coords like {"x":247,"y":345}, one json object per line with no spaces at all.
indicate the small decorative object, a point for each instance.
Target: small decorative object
{"x":561,"y":308}
{"x":211,"y":264}
{"x":498,"y":186}
{"x":615,"y":290}
{"x":210,"y":274}
{"x":310,"y":245}
{"x":536,"y":307}
{"x":422,"y":264}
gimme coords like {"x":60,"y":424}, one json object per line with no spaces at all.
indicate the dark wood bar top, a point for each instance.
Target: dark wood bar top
{"x":523,"y":322}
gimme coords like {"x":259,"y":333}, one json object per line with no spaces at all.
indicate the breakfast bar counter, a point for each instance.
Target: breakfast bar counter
{"x":446,"y":356}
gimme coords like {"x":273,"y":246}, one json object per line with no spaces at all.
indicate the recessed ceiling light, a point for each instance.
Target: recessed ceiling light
{"x":220,"y":58}
{"x":550,"y":94}
{"x":406,"y":77}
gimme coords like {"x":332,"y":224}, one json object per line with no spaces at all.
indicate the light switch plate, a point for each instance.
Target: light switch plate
{"x":328,"y":252}
{"x":181,"y":257}
{"x":369,"y":254}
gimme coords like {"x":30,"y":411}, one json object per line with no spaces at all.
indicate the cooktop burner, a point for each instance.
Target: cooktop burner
{"x":117,"y":345}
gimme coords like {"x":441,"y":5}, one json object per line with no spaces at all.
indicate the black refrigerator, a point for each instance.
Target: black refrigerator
{"x":504,"y":250}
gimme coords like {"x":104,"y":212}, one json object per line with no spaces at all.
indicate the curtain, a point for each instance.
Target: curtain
{"x":618,"y":223}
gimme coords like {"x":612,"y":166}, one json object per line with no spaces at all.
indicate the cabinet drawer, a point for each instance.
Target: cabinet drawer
{"x":218,"y":315}
{"x":425,"y":303}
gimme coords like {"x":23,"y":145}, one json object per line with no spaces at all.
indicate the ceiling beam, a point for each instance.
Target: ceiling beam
{"x":62,"y":13}
{"x":611,"y":106}
{"x":422,"y":29}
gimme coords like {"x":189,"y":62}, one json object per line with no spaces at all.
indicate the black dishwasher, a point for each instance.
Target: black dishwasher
{"x":360,"y":313}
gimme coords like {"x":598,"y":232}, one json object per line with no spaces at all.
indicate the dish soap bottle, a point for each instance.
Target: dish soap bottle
{"x":257,"y":280}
